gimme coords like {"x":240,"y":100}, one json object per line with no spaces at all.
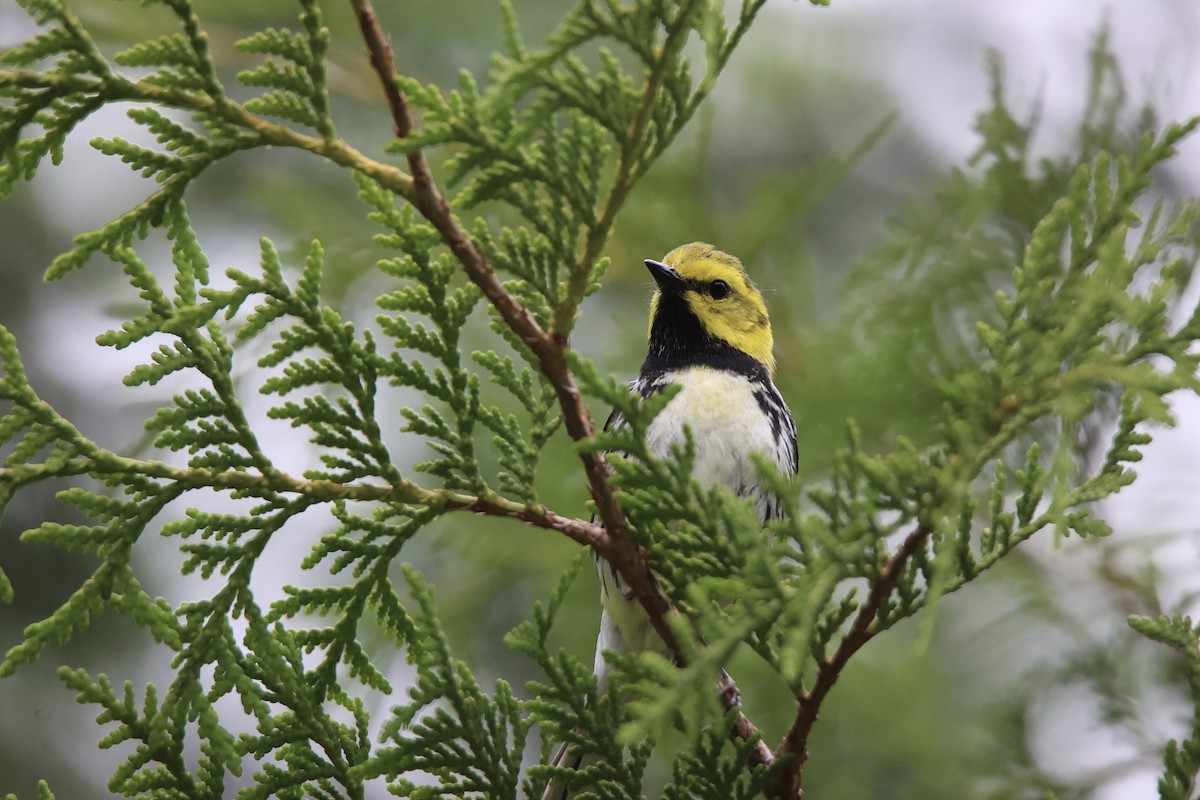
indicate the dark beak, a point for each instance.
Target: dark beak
{"x":668,"y":280}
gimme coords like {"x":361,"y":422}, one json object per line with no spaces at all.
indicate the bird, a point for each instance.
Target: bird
{"x":710,"y":335}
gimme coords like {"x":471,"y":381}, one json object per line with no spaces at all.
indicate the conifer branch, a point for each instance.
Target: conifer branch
{"x":434,"y":207}
{"x":102,"y":462}
{"x":563,"y":144}
{"x":550,"y":352}
{"x":115,"y":88}
{"x":630,"y":167}
{"x":794,"y":745}
{"x":614,"y":541}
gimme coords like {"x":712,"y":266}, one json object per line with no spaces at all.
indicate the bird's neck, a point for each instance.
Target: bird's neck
{"x":678,"y":340}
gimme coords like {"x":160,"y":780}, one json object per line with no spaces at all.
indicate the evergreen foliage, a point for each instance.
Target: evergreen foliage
{"x":556,"y":139}
{"x":1181,"y":760}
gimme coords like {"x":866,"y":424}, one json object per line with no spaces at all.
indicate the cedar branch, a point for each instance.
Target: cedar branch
{"x":615,"y":541}
{"x":433,"y":206}
{"x":794,"y":745}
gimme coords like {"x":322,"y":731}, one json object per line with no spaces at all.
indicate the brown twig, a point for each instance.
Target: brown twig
{"x":614,"y":541}
{"x":628,"y":169}
{"x":105,"y":462}
{"x":433,"y":207}
{"x":794,"y":744}
{"x":743,"y":728}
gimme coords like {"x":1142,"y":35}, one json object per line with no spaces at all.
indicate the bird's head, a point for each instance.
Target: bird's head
{"x":704,"y":302}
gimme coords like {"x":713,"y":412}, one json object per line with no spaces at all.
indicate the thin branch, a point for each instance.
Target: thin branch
{"x":118,"y":88}
{"x":614,"y":542}
{"x":630,"y":167}
{"x":103,"y":462}
{"x":429,"y":201}
{"x":794,"y":745}
{"x":743,"y":728}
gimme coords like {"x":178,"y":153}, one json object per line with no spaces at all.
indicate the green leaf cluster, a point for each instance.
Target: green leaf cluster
{"x":1181,"y":759}
{"x":559,"y":142}
{"x":546,"y":152}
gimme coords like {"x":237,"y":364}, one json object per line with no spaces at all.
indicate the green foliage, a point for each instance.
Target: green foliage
{"x":449,"y":717}
{"x":964,"y":235}
{"x":1079,"y":321}
{"x":1181,"y":760}
{"x":295,"y":78}
{"x":55,"y":108}
{"x":552,"y":144}
{"x":44,"y":792}
{"x":570,"y":709}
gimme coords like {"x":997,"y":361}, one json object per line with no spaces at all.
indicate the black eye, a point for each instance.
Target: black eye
{"x":718,"y":290}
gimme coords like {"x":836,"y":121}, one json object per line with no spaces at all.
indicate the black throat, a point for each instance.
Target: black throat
{"x":677,"y":340}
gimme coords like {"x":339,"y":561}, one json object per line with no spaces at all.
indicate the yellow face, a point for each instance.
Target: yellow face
{"x":723,"y":298}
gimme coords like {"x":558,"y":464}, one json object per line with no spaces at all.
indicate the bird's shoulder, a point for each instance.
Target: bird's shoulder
{"x":643,"y":386}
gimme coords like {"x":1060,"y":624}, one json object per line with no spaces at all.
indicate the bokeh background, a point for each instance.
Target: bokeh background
{"x":830,"y":157}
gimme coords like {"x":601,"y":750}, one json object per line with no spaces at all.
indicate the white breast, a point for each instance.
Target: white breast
{"x":727,"y":425}
{"x":727,"y":421}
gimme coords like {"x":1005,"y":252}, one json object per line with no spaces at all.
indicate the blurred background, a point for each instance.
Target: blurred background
{"x":876,"y":165}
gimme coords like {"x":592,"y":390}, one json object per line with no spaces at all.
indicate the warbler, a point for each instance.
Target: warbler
{"x":710,"y":335}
